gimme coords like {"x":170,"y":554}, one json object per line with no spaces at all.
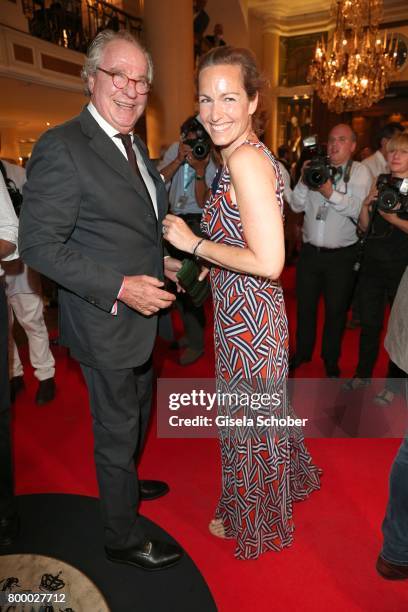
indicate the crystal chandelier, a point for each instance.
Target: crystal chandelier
{"x":353,"y":70}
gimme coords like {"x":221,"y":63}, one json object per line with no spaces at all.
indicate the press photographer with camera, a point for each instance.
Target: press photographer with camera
{"x":384,"y":219}
{"x":377,"y":162}
{"x":330,"y":192}
{"x":188,"y":171}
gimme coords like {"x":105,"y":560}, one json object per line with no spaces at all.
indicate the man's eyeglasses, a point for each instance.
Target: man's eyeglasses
{"x":121,"y":81}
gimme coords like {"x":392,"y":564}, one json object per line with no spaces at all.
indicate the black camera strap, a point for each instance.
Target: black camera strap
{"x":363,"y":239}
{"x":345,"y":175}
{"x":16,"y":196}
{"x":346,"y":179}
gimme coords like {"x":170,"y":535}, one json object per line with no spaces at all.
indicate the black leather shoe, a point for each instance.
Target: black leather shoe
{"x":16,"y":385}
{"x":152,"y":555}
{"x":153,"y":489}
{"x":9,"y":528}
{"x":391,"y":571}
{"x":46,"y":391}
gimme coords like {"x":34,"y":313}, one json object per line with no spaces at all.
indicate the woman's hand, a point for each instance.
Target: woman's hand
{"x":372,"y":195}
{"x":177,"y":232}
{"x":390,"y":217}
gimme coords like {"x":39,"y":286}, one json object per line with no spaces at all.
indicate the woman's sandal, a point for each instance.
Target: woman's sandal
{"x":384,"y":397}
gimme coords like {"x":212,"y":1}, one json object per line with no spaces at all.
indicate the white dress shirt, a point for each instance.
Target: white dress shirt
{"x":377,"y":164}
{"x":16,"y":173}
{"x":182,"y":184}
{"x":335,"y":229}
{"x":8,"y":221}
{"x":22,"y":280}
{"x":111,"y":132}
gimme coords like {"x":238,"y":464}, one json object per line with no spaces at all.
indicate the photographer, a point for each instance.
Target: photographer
{"x":329,"y":248}
{"x":188,"y":172}
{"x":384,"y":261}
{"x":377,"y":162}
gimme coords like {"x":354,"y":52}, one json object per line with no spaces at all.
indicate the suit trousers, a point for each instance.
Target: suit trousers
{"x":379,"y":283}
{"x":327,"y":273}
{"x":120,"y":402}
{"x":7,"y":502}
{"x":395,"y":525}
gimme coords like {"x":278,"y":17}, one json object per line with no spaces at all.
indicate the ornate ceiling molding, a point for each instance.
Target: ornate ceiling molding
{"x":294,"y":17}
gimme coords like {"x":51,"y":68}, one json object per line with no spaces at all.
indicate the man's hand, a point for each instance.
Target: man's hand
{"x":171,"y":267}
{"x":6,"y":248}
{"x":143,"y":293}
{"x":326,"y":189}
{"x":203,"y":273}
{"x":199,"y":165}
{"x":13,"y":267}
{"x":184,"y":151}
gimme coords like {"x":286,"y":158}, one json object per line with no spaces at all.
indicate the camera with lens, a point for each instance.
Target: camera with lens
{"x":392,"y":193}
{"x":201,"y":142}
{"x":319,"y":170}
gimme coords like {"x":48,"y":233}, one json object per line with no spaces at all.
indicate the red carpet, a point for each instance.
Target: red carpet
{"x":337,"y":540}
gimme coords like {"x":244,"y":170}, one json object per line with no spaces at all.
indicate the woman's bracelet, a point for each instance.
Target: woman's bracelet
{"x":196,"y":246}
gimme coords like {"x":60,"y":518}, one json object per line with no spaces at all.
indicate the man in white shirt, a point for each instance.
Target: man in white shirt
{"x":377,"y":162}
{"x":24,"y":296}
{"x":325,"y":265}
{"x":8,"y":251}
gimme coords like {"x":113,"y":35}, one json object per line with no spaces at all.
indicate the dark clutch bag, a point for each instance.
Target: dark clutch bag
{"x":188,"y":279}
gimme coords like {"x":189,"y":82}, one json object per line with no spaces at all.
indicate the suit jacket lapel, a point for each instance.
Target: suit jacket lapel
{"x":110,"y":154}
{"x":161,"y":194}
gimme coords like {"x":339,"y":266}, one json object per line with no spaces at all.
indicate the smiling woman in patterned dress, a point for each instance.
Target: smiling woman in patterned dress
{"x":263,"y":472}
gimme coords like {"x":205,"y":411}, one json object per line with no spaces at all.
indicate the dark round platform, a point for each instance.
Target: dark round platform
{"x":69,"y":528}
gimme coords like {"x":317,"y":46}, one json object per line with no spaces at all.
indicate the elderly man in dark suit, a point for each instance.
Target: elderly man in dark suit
{"x":93,"y":207}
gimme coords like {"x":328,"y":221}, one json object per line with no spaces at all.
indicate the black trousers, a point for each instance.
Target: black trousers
{"x":328,"y":273}
{"x":193,"y":317}
{"x":379,"y":283}
{"x":120,"y":402}
{"x":7,"y":501}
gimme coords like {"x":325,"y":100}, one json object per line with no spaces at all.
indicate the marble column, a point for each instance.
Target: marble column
{"x":9,"y":146}
{"x":168,"y":34}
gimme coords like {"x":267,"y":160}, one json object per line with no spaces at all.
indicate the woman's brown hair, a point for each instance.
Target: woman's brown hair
{"x":253,"y":81}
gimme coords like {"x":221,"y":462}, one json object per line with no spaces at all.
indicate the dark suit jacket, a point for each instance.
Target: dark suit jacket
{"x":86,"y":223}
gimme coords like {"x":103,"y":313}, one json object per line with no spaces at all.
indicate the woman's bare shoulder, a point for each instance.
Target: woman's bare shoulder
{"x":249,"y":159}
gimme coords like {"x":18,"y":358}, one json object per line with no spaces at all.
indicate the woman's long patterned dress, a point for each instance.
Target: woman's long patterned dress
{"x":263,"y":472}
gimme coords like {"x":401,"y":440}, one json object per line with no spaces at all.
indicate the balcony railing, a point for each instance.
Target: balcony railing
{"x":74,"y":23}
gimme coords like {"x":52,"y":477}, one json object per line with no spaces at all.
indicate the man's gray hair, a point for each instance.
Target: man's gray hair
{"x":97,"y":47}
